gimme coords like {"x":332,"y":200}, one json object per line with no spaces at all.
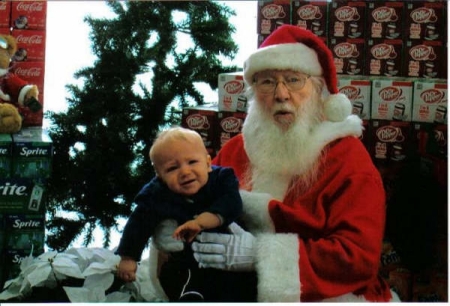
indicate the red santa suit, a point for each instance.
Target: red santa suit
{"x":325,"y":244}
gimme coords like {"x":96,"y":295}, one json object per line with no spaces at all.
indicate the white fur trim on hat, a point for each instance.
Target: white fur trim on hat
{"x":337,"y":107}
{"x":294,"y":56}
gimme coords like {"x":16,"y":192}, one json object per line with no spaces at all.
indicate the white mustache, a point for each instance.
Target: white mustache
{"x":283,"y":108}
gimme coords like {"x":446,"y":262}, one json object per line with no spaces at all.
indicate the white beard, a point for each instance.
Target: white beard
{"x":277,"y":155}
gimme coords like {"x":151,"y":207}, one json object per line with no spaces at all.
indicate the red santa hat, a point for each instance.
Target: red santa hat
{"x":294,"y":48}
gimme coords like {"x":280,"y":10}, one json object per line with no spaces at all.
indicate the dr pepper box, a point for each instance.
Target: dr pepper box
{"x":5,"y":10}
{"x":29,"y":15}
{"x":32,"y":153}
{"x":310,"y":15}
{"x":430,"y":101}
{"x":384,"y":57}
{"x":230,"y":125}
{"x":358,"y":91}
{"x":392,"y":99}
{"x":348,"y":55}
{"x":203,"y":120}
{"x":21,"y":196}
{"x":391,"y":141}
{"x":426,"y":20}
{"x":425,"y":59}
{"x":384,"y":19}
{"x":347,"y":19}
{"x":272,"y":14}
{"x":231,"y":88}
{"x":5,"y":155}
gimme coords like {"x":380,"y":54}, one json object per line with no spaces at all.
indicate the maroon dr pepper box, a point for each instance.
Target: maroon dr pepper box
{"x":425,"y":59}
{"x":310,"y":15}
{"x":426,"y":20}
{"x":384,"y":19}
{"x":347,"y":19}
{"x":384,"y":57}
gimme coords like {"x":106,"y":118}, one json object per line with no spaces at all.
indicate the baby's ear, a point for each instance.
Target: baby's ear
{"x":208,"y":161}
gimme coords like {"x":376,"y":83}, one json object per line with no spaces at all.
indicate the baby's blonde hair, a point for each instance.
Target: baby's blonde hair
{"x":178,"y":133}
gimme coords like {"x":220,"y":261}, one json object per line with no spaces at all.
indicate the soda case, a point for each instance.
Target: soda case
{"x":384,"y":57}
{"x":202,"y":119}
{"x":24,"y":231}
{"x":311,"y":15}
{"x":358,"y":91}
{"x":5,"y":14}
{"x":31,"y":15}
{"x":347,"y":19}
{"x":229,"y":125}
{"x":20,"y":195}
{"x":425,"y":20}
{"x":32,"y":153}
{"x":271,"y":14}
{"x":384,"y":19}
{"x":430,"y":101}
{"x":231,"y":90}
{"x":5,"y":155}
{"x":348,"y":54}
{"x":425,"y":59}
{"x":392,"y":99}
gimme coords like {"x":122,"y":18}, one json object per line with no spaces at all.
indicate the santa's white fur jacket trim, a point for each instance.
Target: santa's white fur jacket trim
{"x":294,"y":56}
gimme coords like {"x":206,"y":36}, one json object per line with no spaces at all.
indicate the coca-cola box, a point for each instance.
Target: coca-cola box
{"x":311,"y":15}
{"x":203,"y":120}
{"x":272,"y":14}
{"x":425,"y":59}
{"x":5,"y":13}
{"x":391,"y":141}
{"x":231,"y":88}
{"x":5,"y":155}
{"x":384,"y":57}
{"x":392,"y":99}
{"x":425,"y":20}
{"x":347,"y":19}
{"x":358,"y":91}
{"x":348,"y":54}
{"x":230,"y":125}
{"x":30,"y":15}
{"x":30,"y":45}
{"x":430,"y":101}
{"x":385,"y":19}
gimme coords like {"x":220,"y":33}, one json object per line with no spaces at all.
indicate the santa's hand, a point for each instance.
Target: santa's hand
{"x":232,"y":252}
{"x":163,"y":239}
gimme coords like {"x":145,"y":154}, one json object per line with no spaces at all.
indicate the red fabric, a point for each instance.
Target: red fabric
{"x":294,"y":34}
{"x":340,"y":222}
{"x":12,"y":84}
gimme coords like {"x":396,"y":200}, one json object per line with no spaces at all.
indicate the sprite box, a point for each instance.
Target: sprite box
{"x":24,"y":231}
{"x":21,"y":196}
{"x":5,"y":155}
{"x":32,"y":153}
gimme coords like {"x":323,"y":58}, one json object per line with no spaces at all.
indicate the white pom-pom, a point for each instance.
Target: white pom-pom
{"x":337,"y":107}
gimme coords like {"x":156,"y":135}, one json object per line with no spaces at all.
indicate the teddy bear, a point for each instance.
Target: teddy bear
{"x":15,"y":93}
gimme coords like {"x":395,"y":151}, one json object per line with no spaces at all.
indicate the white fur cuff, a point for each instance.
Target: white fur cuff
{"x":256,"y":211}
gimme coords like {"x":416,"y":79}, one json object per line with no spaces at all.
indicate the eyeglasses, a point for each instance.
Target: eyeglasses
{"x":266,"y":83}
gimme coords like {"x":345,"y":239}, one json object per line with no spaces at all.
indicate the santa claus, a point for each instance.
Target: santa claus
{"x":314,"y":204}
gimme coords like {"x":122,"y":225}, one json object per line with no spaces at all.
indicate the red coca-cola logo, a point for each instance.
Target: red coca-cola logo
{"x":432,"y":96}
{"x":344,"y":50}
{"x":422,"y":15}
{"x":197,"y":121}
{"x":309,"y":12}
{"x":382,"y":14}
{"x":29,"y":6}
{"x":346,"y":13}
{"x":31,"y":40}
{"x":389,"y":134}
{"x":273,"y":11}
{"x":390,"y":93}
{"x":422,"y":53}
{"x":351,"y":92}
{"x":30,"y":72}
{"x":383,"y":51}
{"x":3,"y":6}
{"x":233,"y":87}
{"x":231,"y":125}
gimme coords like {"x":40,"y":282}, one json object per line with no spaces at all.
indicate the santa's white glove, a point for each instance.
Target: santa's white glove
{"x":163,"y":239}
{"x":231,"y":252}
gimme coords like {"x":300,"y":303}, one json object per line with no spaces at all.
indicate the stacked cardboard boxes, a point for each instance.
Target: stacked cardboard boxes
{"x":26,"y":163}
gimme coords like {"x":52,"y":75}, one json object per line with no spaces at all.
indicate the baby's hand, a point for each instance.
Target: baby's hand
{"x":126,"y":269}
{"x":187,"y":231}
